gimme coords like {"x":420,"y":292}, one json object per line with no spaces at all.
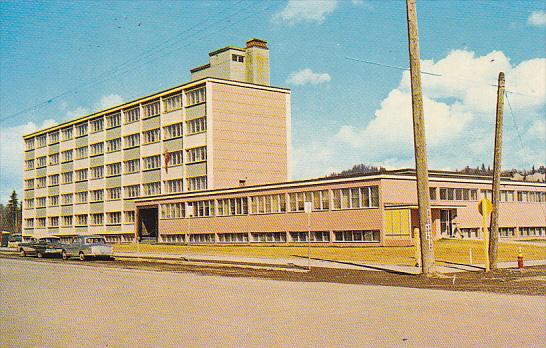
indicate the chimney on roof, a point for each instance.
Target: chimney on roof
{"x":257,"y":62}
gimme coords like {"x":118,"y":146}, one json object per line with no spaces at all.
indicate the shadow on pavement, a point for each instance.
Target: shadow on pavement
{"x":452,"y":264}
{"x":377,"y":268}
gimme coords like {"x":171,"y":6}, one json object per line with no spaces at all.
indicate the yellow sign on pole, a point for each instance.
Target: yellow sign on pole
{"x":485,"y":207}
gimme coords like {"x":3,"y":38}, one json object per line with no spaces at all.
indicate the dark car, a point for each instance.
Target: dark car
{"x":45,"y":246}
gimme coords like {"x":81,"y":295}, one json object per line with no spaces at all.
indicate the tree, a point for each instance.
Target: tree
{"x":13,"y":213}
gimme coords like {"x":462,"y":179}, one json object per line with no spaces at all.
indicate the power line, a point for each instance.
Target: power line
{"x":516,"y":127}
{"x":432,"y":74}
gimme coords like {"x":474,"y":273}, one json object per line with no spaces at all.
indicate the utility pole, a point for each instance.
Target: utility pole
{"x":494,"y":228}
{"x":419,"y":140}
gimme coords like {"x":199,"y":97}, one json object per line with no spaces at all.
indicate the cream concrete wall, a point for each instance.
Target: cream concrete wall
{"x":249,"y":139}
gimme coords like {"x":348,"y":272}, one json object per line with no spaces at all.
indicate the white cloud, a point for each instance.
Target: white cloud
{"x":109,"y":101}
{"x":307,"y":76}
{"x":77,"y":112}
{"x":11,"y":156}
{"x":297,"y":11}
{"x":459,"y":111}
{"x":537,"y":19}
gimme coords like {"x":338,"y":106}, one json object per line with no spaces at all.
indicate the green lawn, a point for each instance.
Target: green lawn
{"x":445,"y":250}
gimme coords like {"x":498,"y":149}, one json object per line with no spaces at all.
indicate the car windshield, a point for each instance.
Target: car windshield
{"x":51,"y":240}
{"x":95,"y":240}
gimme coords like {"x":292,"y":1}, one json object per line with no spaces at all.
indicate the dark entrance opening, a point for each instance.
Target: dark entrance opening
{"x":148,"y":224}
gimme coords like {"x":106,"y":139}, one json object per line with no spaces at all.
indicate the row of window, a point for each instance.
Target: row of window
{"x":350,"y":198}
{"x":151,"y":109}
{"x":110,"y":218}
{"x":460,"y":194}
{"x":357,"y":236}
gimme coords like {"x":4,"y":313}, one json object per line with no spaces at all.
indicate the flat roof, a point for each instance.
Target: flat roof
{"x":164,"y":92}
{"x":400,"y":174}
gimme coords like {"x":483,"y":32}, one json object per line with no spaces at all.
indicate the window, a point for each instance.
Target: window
{"x":196,"y":96}
{"x":265,"y":204}
{"x":173,"y":102}
{"x":532,"y":231}
{"x":29,"y":144}
{"x":202,"y":238}
{"x":152,"y":136}
{"x":357,"y":236}
{"x":29,"y":184}
{"x":97,"y":195}
{"x":97,"y":219}
{"x":41,"y":182}
{"x":269,"y":237}
{"x":40,"y":202}
{"x":197,"y":125}
{"x":40,"y":222}
{"x":237,"y":58}
{"x":172,"y":131}
{"x":97,"y":149}
{"x":97,"y":125}
{"x":197,"y":154}
{"x":113,"y":193}
{"x":531,"y":196}
{"x":81,"y":197}
{"x":132,"y":166}
{"x":132,"y":140}
{"x":432,"y":191}
{"x":67,"y":133}
{"x":81,"y":129}
{"x":132,"y":191}
{"x":54,"y":138}
{"x":151,"y":109}
{"x":113,"y":218}
{"x":81,"y":152}
{"x":204,"y":208}
{"x":132,"y":115}
{"x":321,"y":236}
{"x":320,"y":200}
{"x":197,"y":183}
{"x":54,"y":180}
{"x":66,"y":198}
{"x":507,"y":232}
{"x":53,"y":201}
{"x":67,"y":221}
{"x":152,"y":189}
{"x":81,"y":174}
{"x":29,"y":203}
{"x":233,"y":206}
{"x":29,"y":164}
{"x":175,"y":158}
{"x":42,"y":141}
{"x":53,"y":221}
{"x":113,"y":169}
{"x":67,"y":155}
{"x":97,"y":172}
{"x":113,"y":145}
{"x":129,"y":217}
{"x":81,"y":220}
{"x":152,"y":162}
{"x":488,"y":194}
{"x":351,"y":198}
{"x":67,"y":177}
{"x":41,"y":162}
{"x":113,"y":120}
{"x":29,"y":223}
{"x":172,"y":186}
{"x":233,"y":238}
{"x":172,"y":210}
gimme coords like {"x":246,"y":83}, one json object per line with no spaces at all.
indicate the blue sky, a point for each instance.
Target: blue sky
{"x":71,"y":58}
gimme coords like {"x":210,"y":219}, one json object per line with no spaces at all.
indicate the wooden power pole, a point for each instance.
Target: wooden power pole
{"x":421,"y":167}
{"x":494,"y":228}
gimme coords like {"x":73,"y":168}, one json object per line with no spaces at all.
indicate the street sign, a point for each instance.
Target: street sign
{"x":484,"y":202}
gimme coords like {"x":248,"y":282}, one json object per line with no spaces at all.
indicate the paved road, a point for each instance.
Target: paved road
{"x":46,"y":304}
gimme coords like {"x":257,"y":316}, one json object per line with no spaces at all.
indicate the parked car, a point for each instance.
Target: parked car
{"x":87,"y":246}
{"x":45,"y":246}
{"x":14,"y":241}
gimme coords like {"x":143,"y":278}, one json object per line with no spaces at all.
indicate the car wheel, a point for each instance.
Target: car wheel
{"x":39,"y":254}
{"x":82,"y":256}
{"x":64,"y":255}
{"x":22,"y":253}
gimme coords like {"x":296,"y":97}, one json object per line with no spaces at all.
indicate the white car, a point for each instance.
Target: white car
{"x":88,"y":246}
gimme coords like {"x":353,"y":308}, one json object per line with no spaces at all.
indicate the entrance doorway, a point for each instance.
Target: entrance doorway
{"x":446,"y":222}
{"x":148,"y":224}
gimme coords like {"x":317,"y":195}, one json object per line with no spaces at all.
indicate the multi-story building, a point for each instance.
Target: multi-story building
{"x":226,"y":127}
